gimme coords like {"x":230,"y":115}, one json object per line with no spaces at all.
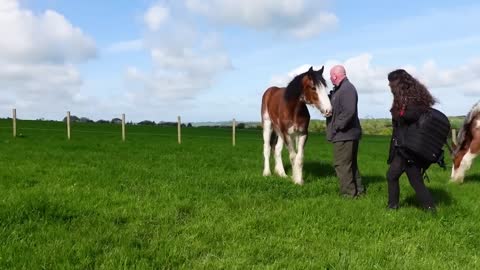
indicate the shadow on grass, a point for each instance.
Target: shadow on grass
{"x":315,"y":169}
{"x":318,"y":169}
{"x":440,"y":196}
{"x":472,"y":178}
{"x":369,"y":179}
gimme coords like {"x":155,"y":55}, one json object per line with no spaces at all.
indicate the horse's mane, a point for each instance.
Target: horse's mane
{"x":463,"y":135}
{"x":294,"y":87}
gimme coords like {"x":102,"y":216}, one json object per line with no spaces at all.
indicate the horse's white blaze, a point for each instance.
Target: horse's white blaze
{"x":298,"y":164}
{"x":278,"y":158}
{"x":465,"y":164}
{"x":324,"y":102}
{"x":267,"y":132}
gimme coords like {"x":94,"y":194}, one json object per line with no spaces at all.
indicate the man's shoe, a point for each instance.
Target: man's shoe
{"x":392,"y":206}
{"x":430,"y":209}
{"x":348,"y":196}
{"x":361,"y":194}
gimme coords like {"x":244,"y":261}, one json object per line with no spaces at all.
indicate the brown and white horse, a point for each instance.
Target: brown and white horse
{"x":285,"y":119}
{"x":468,"y":144}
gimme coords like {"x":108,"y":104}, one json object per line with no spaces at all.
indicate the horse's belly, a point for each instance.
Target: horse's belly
{"x":295,"y":130}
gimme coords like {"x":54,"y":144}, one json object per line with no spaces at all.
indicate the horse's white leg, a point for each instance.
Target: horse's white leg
{"x":267,"y":132}
{"x":298,"y":164}
{"x":291,"y":149}
{"x":278,"y":158}
{"x":458,"y":174}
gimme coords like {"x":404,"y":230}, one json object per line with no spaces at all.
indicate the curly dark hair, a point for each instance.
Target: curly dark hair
{"x":407,"y":91}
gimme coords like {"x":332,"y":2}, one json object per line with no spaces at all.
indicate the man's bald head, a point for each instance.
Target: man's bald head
{"x":337,"y":74}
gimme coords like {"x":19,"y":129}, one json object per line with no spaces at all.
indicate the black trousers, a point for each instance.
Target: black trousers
{"x":346,"y":167}
{"x":398,"y":166}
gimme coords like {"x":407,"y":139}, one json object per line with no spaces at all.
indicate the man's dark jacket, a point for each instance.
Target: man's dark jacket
{"x":344,"y":124}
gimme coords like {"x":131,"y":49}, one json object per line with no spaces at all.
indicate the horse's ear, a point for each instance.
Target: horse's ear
{"x":311,"y":69}
{"x":321,"y":70}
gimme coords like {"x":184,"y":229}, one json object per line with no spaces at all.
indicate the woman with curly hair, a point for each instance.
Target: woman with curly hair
{"x":410,"y":100}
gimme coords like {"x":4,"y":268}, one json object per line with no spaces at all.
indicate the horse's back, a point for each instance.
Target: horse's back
{"x":271,"y":98}
{"x":272,"y":93}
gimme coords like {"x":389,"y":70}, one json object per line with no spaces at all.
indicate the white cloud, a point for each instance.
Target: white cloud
{"x":461,"y":77}
{"x":8,"y":5}
{"x":372,"y":78}
{"x":184,"y":63}
{"x":283,"y":80}
{"x":37,"y":54}
{"x":189,"y":62}
{"x":46,"y":37}
{"x":39,"y":77}
{"x":367,"y":77}
{"x":126,"y":46}
{"x":372,"y":84}
{"x":177,"y":75}
{"x":156,"y":16}
{"x":322,"y":22}
{"x":301,"y":18}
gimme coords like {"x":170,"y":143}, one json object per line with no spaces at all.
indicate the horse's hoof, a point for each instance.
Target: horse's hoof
{"x":300,"y":183}
{"x":267,"y":173}
{"x":281,"y":174}
{"x":454,"y":181}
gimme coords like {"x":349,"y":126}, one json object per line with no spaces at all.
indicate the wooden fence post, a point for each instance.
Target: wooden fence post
{"x":123,"y":127}
{"x":14,"y":120}
{"x":68,"y":125}
{"x":234,"y":124}
{"x":454,"y":136}
{"x":179,"y":123}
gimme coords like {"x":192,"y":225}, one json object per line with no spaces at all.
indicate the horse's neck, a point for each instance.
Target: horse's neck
{"x":300,"y":108}
{"x":295,"y":107}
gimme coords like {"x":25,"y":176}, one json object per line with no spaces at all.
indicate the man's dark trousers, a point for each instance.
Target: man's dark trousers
{"x":346,"y":166}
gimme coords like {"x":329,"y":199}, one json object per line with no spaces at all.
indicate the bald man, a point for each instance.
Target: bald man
{"x":344,"y":131}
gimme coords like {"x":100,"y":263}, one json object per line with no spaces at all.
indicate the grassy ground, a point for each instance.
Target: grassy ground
{"x":95,"y":202}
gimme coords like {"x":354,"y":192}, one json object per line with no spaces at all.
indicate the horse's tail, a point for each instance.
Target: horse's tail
{"x":264,"y":106}
{"x":262,"y":110}
{"x":265,"y":99}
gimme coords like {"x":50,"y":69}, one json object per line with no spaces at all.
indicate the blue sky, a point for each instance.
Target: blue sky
{"x":211,"y":60}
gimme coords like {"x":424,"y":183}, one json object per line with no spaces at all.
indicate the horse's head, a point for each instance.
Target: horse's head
{"x":316,"y":92}
{"x":310,"y":87}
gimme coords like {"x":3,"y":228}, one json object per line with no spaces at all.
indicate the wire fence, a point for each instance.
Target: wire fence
{"x":123,"y":131}
{"x":17,"y":126}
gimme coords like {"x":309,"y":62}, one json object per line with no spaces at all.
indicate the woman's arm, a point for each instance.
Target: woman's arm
{"x":391,"y":151}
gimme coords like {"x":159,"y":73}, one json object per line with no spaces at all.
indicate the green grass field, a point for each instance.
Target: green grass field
{"x":95,"y":202}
